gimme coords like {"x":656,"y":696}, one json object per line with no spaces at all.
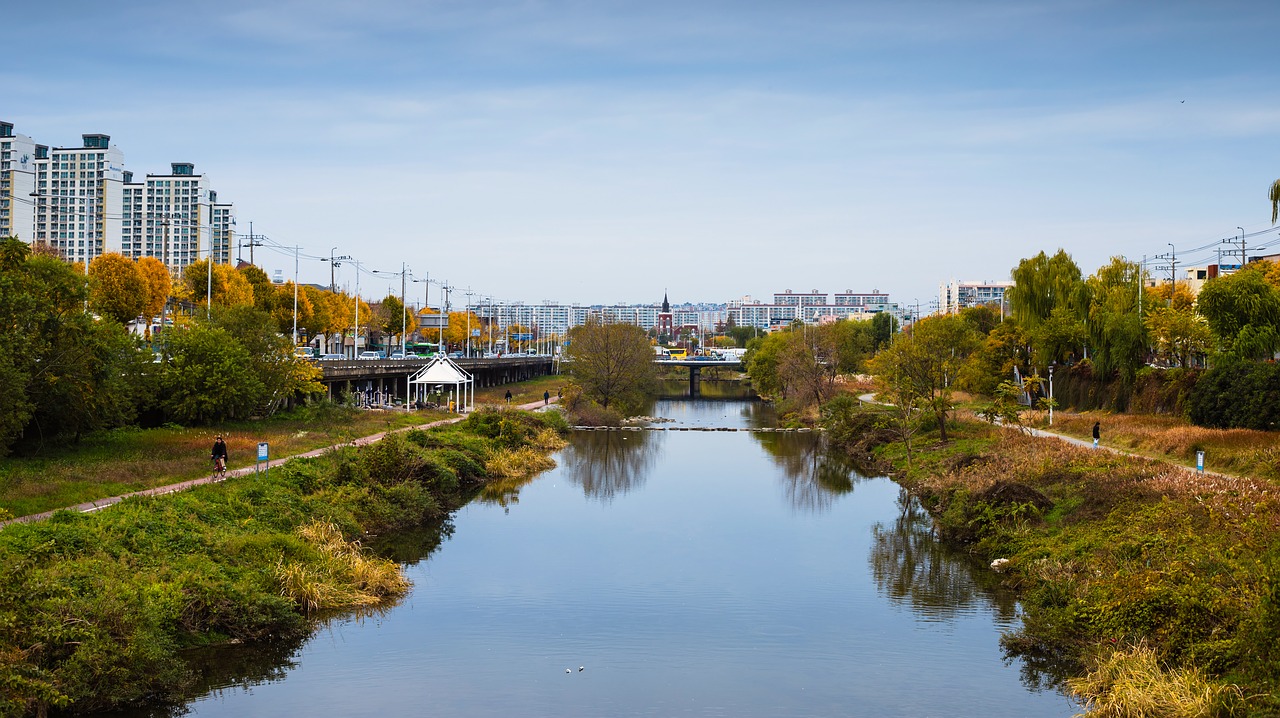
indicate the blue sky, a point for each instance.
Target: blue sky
{"x":606,"y":151}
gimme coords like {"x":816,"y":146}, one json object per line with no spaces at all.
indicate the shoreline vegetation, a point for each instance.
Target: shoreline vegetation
{"x":100,"y":610}
{"x":1157,"y":589}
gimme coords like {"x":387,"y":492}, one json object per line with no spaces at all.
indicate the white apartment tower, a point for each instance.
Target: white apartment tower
{"x":17,"y":184}
{"x":223,"y":228}
{"x":79,"y":198}
{"x":171,"y":218}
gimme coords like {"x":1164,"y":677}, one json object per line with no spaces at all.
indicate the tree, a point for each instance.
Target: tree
{"x":1243,"y":311}
{"x":158,"y":282}
{"x":883,"y":326}
{"x":1116,"y":332}
{"x":208,"y":377}
{"x":264,"y":292}
{"x":1158,"y":296}
{"x":1178,"y":334}
{"x":272,"y":359}
{"x":396,"y":319}
{"x":1042,"y":284}
{"x":613,"y":363}
{"x":1005,"y":348}
{"x":62,"y":372}
{"x":1275,"y":200}
{"x":117,"y":289}
{"x":921,"y":367}
{"x":231,"y":288}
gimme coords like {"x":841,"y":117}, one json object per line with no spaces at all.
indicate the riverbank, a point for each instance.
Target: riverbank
{"x":98,"y":609}
{"x":121,"y":461}
{"x":1157,"y":586}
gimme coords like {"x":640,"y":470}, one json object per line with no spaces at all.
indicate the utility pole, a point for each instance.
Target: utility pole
{"x":295,"y":295}
{"x":1173,"y":272}
{"x":404,"y":314}
{"x":1244,"y":258}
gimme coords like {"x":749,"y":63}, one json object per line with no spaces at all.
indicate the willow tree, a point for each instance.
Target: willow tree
{"x":1116,"y":331}
{"x":1275,"y":200}
{"x":1043,"y":283}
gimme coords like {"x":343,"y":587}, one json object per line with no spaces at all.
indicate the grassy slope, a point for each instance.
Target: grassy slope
{"x":118,"y":462}
{"x":96,"y":609}
{"x":1116,"y":555}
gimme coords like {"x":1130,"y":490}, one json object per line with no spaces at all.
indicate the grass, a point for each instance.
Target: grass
{"x":126,"y":460}
{"x":1243,"y":452}
{"x":522,"y":392}
{"x":99,"y":609}
{"x":1112,"y":552}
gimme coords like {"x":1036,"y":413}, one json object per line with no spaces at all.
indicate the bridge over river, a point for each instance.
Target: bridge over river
{"x":384,"y":380}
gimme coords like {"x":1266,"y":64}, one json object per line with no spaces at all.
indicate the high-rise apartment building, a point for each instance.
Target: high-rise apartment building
{"x":956,"y":295}
{"x":79,"y":198}
{"x":17,"y":184}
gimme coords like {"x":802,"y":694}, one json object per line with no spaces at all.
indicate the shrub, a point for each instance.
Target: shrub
{"x":1238,"y":394}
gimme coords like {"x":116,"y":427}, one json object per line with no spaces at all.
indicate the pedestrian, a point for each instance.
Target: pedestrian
{"x":1097,"y":433}
{"x":508,"y":396}
{"x":219,"y":456}
{"x":546,"y":398}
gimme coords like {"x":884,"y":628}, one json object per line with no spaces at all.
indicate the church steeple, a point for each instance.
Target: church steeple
{"x":666,"y":306}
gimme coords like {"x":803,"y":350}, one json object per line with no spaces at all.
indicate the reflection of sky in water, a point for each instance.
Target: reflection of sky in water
{"x":692,"y":573}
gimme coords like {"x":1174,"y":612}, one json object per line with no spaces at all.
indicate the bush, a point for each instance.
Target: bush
{"x":1238,"y":394}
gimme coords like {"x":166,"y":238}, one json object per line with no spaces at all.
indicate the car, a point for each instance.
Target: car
{"x":369,"y":354}
{"x":455,"y":355}
{"x":331,"y":357}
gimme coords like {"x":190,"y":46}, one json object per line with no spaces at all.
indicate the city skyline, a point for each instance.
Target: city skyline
{"x":604,"y":152}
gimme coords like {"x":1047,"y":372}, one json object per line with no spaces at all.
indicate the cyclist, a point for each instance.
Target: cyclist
{"x":219,"y":457}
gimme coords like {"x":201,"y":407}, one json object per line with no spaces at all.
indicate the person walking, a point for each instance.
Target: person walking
{"x":546,"y":398}
{"x":219,"y":456}
{"x":1097,"y":433}
{"x":508,"y":397}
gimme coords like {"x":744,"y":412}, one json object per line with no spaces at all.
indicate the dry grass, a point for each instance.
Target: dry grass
{"x":345,"y":576}
{"x":1244,"y":452}
{"x":516,"y":463}
{"x":523,"y":392}
{"x":1135,"y":683}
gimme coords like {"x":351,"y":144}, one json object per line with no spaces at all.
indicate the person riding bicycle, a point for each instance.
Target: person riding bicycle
{"x":219,"y":456}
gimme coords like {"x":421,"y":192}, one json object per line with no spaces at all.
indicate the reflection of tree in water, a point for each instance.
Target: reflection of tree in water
{"x":607,"y":464}
{"x":504,"y":492}
{"x":909,"y":564}
{"x":813,"y":476}
{"x":412,"y":545}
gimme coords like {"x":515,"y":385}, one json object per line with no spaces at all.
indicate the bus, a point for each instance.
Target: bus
{"x":677,"y":353}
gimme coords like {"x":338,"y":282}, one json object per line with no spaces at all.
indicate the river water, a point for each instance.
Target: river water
{"x":672,"y":573}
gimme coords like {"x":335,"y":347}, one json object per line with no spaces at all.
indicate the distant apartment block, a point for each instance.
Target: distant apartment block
{"x":810,"y":307}
{"x":17,"y":184}
{"x":956,"y":295}
{"x":83,"y":203}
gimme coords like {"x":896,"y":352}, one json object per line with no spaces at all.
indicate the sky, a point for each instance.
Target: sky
{"x":610,"y":151}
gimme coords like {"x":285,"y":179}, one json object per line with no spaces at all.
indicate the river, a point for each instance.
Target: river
{"x":670,"y":573}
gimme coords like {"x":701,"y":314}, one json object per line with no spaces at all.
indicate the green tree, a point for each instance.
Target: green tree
{"x":208,"y":377}
{"x":1243,"y":310}
{"x":63,"y":373}
{"x":1042,"y":284}
{"x":883,"y":326}
{"x":1116,"y":332}
{"x":613,"y":363}
{"x":920,"y":368}
{"x":1274,"y":196}
{"x":272,"y":360}
{"x":1004,"y":349}
{"x":394,"y":318}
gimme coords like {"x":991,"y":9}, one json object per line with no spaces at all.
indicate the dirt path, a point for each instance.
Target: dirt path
{"x":90,"y":506}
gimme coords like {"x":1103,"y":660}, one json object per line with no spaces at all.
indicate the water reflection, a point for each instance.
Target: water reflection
{"x":608,"y":464}
{"x":813,"y":478}
{"x":910,"y":565}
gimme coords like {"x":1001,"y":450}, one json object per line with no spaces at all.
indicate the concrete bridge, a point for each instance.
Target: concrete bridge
{"x":695,"y":366}
{"x":389,"y":378}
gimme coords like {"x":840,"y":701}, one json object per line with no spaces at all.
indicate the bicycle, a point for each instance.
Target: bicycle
{"x":220,"y":466}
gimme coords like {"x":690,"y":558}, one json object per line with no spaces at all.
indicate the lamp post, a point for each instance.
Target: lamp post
{"x":1050,"y":394}
{"x":469,"y":295}
{"x":355,"y":330}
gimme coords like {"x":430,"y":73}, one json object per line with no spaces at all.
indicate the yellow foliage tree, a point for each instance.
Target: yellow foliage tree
{"x":1158,"y":296}
{"x":117,"y":289}
{"x":158,"y":282}
{"x":230,"y":288}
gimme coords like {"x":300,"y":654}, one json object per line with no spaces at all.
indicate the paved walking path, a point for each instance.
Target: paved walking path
{"x":98,"y":504}
{"x":1087,"y":444}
